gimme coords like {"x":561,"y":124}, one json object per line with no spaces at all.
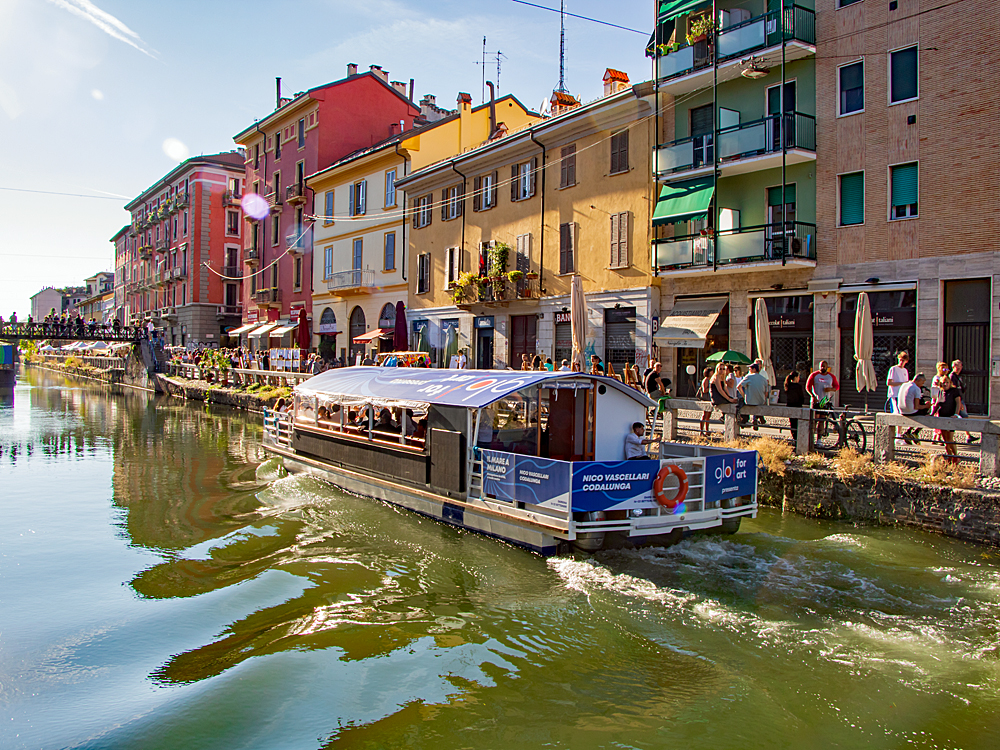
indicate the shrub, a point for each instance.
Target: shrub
{"x":72,"y":361}
{"x":849,"y":465}
{"x":939,"y":470}
{"x":773,"y":454}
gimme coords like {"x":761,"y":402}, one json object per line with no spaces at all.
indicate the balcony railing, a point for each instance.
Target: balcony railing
{"x":295,"y":193}
{"x":232,"y":272}
{"x":145,"y":252}
{"x":225,"y":311}
{"x":252,"y":257}
{"x":182,"y":200}
{"x":357,"y":279}
{"x":791,"y":240}
{"x":497,"y":291}
{"x":162,"y":246}
{"x":263,"y":296}
{"x":743,"y":141}
{"x":230,"y":199}
{"x":178,"y":273}
{"x":273,"y":199}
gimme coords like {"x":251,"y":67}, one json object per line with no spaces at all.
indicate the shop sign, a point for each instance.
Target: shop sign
{"x":619,"y":315}
{"x":906,"y":319}
{"x":526,"y":479}
{"x":252,"y":315}
{"x":563,"y":317}
{"x":656,"y":323}
{"x":483,"y":321}
{"x":786,"y":322}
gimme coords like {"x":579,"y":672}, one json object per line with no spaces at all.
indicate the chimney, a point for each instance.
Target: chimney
{"x":400,"y":87}
{"x":429,"y":110}
{"x":466,"y":136}
{"x":277,"y":93}
{"x":377,"y":70}
{"x":493,"y":111}
{"x":352,"y":69}
{"x":411,"y":89}
{"x":615,"y":81}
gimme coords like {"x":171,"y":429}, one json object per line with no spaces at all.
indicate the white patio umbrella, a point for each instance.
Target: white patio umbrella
{"x":762,"y":332}
{"x":864,"y":372}
{"x":578,"y":322}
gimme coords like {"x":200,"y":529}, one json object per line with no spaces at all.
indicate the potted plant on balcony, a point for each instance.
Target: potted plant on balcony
{"x":666,"y":49}
{"x":515,"y":276}
{"x":462,"y":288}
{"x":701,"y":28}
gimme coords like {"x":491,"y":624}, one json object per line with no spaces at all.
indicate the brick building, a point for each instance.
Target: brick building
{"x":305,"y":134}
{"x":181,"y":258}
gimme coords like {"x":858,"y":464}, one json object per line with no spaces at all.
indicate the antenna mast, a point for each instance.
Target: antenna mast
{"x":489,"y":57}
{"x":562,"y":46}
{"x":484,"y":69}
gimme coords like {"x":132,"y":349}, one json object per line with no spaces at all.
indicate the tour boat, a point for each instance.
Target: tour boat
{"x":533,"y":458}
{"x":8,"y":363}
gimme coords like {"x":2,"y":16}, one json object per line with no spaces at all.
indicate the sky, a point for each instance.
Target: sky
{"x":101,"y":98}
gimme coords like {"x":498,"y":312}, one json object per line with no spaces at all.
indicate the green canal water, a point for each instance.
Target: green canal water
{"x":159,"y":590}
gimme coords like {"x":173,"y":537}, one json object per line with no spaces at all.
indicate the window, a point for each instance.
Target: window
{"x":234,"y":187}
{"x":484,"y":191}
{"x":298,"y":273}
{"x":390,"y":188}
{"x":277,"y":187}
{"x":277,"y":145}
{"x":256,"y":156}
{"x":619,"y":240}
{"x":567,"y":244}
{"x":619,"y":152}
{"x":452,"y":202}
{"x":327,"y":262}
{"x":275,"y":230}
{"x":903,"y":181}
{"x":522,"y":261}
{"x":300,"y":175}
{"x":185,"y":223}
{"x":852,"y":88}
{"x":903,"y":75}
{"x":356,"y":198}
{"x":567,"y":166}
{"x":389,"y":252}
{"x":302,"y":133}
{"x":845,"y":3}
{"x":357,"y":253}
{"x":422,"y":212}
{"x":453,"y":266}
{"x":522,"y":179}
{"x":423,"y":273}
{"x":852,"y":198}
{"x":328,"y":213}
{"x":233,"y":223}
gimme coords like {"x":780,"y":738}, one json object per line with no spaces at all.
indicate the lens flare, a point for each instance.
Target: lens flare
{"x":175,"y":149}
{"x":254,"y":206}
{"x":97,"y":94}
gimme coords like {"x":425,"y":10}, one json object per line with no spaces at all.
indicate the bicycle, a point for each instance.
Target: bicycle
{"x":835,"y":432}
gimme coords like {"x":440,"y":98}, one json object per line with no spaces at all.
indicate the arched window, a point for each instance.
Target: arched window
{"x":328,"y":321}
{"x":387,"y":318}
{"x":358,"y":328}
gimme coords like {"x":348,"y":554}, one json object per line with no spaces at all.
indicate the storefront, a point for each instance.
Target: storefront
{"x":619,"y":337}
{"x":967,"y":337}
{"x":484,"y":327}
{"x":327,"y":331}
{"x":563,"y":348}
{"x":696,"y":327}
{"x":790,"y":319}
{"x":894,"y":328}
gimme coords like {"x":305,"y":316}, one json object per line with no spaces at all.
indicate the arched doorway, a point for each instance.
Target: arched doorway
{"x":387,"y":321}
{"x":328,"y":334}
{"x":357,"y":328}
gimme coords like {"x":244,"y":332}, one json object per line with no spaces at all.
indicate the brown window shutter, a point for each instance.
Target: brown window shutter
{"x":461,"y":199}
{"x":416,"y":211}
{"x":623,"y":234}
{"x":532,"y":175}
{"x":564,"y":168}
{"x":614,"y":240}
{"x":614,"y":154}
{"x":477,"y":198}
{"x":563,"y":247}
{"x":444,"y":204}
{"x":513,"y":182}
{"x":493,"y":189}
{"x":572,"y":166}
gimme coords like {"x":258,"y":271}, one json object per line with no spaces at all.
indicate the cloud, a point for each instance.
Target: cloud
{"x":106,"y":23}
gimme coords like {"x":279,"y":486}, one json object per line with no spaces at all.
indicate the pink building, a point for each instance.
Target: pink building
{"x":181,"y":266}
{"x":303,"y":135}
{"x":121,"y":240}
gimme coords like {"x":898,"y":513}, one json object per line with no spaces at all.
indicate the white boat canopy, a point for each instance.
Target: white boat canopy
{"x":473,"y":389}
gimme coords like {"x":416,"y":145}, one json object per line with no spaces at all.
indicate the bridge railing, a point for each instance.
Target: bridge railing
{"x":236,"y":376}
{"x":71,"y":331}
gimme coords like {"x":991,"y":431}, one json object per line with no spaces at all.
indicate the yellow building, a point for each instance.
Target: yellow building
{"x":498,"y":232}
{"x":361,"y":227}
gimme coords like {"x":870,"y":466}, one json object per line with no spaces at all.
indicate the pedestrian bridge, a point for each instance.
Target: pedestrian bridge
{"x":75,"y":331}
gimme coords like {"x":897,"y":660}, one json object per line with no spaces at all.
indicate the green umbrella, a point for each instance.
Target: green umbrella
{"x":729,"y":356}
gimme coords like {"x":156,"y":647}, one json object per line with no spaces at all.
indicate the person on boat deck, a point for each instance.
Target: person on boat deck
{"x":385,"y":423}
{"x":634,"y":442}
{"x":323,"y":415}
{"x":596,"y":366}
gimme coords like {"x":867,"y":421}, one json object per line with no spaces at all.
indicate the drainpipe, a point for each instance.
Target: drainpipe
{"x":403,"y":245}
{"x":713,"y":51}
{"x":541,"y":235}
{"x":493,"y":110}
{"x":260,"y":238}
{"x":784,"y":143}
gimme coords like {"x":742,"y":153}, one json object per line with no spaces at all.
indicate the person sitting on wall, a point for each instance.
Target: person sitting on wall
{"x":911,"y":404}
{"x":634,"y":441}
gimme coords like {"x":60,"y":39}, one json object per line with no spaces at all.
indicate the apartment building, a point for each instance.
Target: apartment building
{"x":305,"y":133}
{"x":181,"y":258}
{"x":121,"y":241}
{"x":360,"y":234}
{"x":498,"y":232}
{"x":99,"y":302}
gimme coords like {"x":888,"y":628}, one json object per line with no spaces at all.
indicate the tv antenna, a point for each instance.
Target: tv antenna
{"x":562,"y":47}
{"x":489,"y":58}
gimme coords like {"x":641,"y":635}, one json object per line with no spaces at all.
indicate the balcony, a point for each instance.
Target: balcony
{"x":232,"y":272}
{"x":498,"y":292}
{"x":362,"y":280}
{"x":162,"y":246}
{"x":252,"y":258}
{"x":158,"y":278}
{"x":229,"y":311}
{"x":178,"y":273}
{"x":274,"y":200}
{"x":691,"y":67}
{"x":230,"y":199}
{"x":746,"y":147}
{"x":741,"y":250}
{"x":296,"y":194}
{"x":182,"y":200}
{"x":267,"y":296}
{"x":295,"y":243}
{"x":169,"y":312}
{"x":146,"y":252}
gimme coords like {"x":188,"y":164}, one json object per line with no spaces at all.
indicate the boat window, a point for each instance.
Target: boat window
{"x":511,"y":424}
{"x":384,"y":424}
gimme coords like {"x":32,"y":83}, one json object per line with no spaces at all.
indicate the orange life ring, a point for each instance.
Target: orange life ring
{"x":682,"y":490}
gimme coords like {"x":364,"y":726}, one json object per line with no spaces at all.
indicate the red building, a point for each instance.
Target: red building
{"x":122,"y":239}
{"x":181,"y":264}
{"x":303,"y":135}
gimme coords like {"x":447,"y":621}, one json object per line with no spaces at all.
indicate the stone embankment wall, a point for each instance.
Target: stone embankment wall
{"x":970,"y":515}
{"x":196,"y":390}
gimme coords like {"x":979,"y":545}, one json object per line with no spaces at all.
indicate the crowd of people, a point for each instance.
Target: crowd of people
{"x":72,"y":325}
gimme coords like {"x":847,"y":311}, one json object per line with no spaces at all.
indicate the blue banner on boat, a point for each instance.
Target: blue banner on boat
{"x":526,"y":479}
{"x":730,"y":475}
{"x":612,"y":485}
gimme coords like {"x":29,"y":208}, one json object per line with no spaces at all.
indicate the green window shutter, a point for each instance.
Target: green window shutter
{"x":904,"y":184}
{"x":774,"y":195}
{"x":852,"y":198}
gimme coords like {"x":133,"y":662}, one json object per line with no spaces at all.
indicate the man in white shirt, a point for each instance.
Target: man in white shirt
{"x":564,"y":366}
{"x":463,"y":362}
{"x":910,"y":404}
{"x":895,"y":380}
{"x":634,"y":442}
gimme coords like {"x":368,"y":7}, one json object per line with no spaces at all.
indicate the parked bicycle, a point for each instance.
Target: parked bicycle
{"x":834,"y":431}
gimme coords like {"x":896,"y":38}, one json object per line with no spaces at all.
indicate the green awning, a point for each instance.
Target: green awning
{"x":683,"y":201}
{"x":673,"y":8}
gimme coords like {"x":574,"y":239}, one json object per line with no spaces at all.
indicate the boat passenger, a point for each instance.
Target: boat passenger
{"x":634,"y":442}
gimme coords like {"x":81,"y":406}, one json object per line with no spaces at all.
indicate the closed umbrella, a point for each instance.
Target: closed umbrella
{"x":303,"y":333}
{"x":762,"y":331}
{"x":864,"y":372}
{"x":400,"y":336}
{"x":451,"y":345}
{"x":578,"y":321}
{"x":423,"y":345}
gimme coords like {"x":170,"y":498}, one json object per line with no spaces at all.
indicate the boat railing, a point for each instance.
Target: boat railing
{"x":278,"y":428}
